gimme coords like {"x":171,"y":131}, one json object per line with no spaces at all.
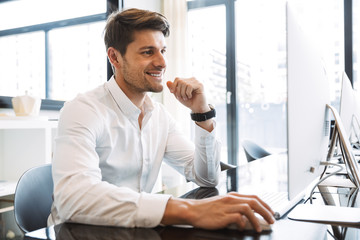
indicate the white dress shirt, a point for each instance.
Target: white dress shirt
{"x":105,"y":166}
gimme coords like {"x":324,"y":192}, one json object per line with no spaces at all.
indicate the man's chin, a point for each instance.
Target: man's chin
{"x":156,"y":89}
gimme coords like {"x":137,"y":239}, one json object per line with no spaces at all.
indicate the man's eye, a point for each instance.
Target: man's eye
{"x":163,"y":51}
{"x":147,"y":52}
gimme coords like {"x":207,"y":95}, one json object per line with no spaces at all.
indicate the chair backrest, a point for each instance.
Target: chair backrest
{"x":253,"y":151}
{"x":226,"y":166}
{"x":33,"y":198}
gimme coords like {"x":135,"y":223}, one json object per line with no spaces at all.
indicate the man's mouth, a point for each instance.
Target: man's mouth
{"x":155,"y":74}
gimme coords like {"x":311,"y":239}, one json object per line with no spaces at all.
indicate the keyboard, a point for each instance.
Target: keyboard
{"x":279,"y":202}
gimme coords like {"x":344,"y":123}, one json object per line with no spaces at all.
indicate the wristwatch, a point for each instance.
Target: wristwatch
{"x":200,"y":117}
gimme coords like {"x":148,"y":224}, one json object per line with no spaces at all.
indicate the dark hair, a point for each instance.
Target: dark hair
{"x":120,"y":27}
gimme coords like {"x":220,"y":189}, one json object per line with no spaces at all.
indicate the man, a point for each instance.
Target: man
{"x":111,"y":142}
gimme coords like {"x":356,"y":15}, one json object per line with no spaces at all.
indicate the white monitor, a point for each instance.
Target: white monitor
{"x":348,"y":109}
{"x":347,"y":103}
{"x":307,"y":121}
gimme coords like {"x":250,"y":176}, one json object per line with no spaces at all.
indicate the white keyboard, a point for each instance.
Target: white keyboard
{"x":279,"y":202}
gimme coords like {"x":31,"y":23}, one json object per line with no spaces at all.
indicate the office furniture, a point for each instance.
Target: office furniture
{"x":237,"y":179}
{"x":226,"y":166}
{"x":33,"y":198}
{"x":253,"y":151}
{"x":25,"y":142}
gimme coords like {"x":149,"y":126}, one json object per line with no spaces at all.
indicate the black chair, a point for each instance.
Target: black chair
{"x":253,"y":151}
{"x":226,"y":166}
{"x":33,"y":198}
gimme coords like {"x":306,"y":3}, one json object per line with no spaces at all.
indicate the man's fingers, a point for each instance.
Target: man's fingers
{"x":258,"y":206}
{"x":181,"y":89}
{"x":170,"y":85}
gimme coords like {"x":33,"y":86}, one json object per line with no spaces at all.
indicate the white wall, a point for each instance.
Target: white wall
{"x":153,"y":5}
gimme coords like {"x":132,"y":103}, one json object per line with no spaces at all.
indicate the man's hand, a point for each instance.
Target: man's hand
{"x":218,"y":212}
{"x":190,"y":92}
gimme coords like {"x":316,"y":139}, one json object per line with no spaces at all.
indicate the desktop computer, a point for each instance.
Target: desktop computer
{"x":349,"y":110}
{"x":308,"y":125}
{"x":307,"y":113}
{"x":309,"y":110}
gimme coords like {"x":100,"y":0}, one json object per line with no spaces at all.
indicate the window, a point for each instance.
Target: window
{"x":77,"y":63}
{"x":258,"y":109}
{"x":208,"y":59}
{"x":261,"y":73}
{"x":53,"y":51}
{"x":22,"y":60}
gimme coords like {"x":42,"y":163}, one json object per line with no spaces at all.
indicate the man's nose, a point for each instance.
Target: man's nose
{"x":160,"y":60}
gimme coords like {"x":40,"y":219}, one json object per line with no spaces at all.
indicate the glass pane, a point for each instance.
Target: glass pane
{"x":261,"y":73}
{"x":22,"y":61}
{"x":208,"y":60}
{"x":261,"y":62}
{"x":356,"y":43}
{"x":14,"y":14}
{"x":77,"y":60}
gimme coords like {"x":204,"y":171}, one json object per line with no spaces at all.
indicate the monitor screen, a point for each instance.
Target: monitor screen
{"x":347,"y":104}
{"x":308,"y":123}
{"x":349,"y":112}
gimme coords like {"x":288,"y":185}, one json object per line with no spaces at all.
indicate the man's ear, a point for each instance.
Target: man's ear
{"x":114,"y":57}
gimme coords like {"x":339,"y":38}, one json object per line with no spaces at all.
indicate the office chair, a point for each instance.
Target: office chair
{"x":226,"y":166}
{"x":253,"y":151}
{"x":33,"y":198}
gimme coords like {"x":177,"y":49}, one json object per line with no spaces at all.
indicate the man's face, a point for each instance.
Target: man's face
{"x":144,"y":62}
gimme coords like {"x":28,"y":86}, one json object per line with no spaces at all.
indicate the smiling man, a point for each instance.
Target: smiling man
{"x":112,"y":140}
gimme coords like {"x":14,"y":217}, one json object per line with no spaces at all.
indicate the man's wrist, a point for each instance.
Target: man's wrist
{"x":203,"y":116}
{"x":176,"y":212}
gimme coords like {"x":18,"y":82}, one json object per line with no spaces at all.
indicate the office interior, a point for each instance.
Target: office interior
{"x":53,"y":50}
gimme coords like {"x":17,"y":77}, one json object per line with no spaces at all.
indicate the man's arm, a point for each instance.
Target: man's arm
{"x":216,"y":212}
{"x":190,"y":92}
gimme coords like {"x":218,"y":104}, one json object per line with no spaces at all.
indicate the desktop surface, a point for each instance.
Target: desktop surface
{"x":254,"y":176}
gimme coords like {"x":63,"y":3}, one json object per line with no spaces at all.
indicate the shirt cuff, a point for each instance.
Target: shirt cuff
{"x":199,"y":131}
{"x":151,"y":209}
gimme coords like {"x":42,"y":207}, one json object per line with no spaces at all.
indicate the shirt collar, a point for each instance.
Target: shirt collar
{"x":124,"y":103}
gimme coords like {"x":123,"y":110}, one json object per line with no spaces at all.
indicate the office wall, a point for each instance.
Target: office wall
{"x":153,"y":5}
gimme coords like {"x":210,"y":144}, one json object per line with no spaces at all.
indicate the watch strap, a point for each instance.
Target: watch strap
{"x":201,"y":117}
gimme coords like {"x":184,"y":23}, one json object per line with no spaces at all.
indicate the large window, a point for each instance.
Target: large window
{"x":53,"y":51}
{"x":22,"y":64}
{"x":261,"y":72}
{"x":257,"y":77}
{"x":208,"y":59}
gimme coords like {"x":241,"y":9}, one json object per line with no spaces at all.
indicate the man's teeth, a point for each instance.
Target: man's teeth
{"x":155,"y":75}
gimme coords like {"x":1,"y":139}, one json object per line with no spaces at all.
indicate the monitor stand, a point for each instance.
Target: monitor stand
{"x":348,"y":216}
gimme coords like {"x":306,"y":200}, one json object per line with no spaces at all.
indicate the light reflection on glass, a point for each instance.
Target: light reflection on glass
{"x":77,"y":60}
{"x":22,"y":61}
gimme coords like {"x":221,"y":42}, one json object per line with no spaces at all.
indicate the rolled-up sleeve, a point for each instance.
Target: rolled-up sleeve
{"x":199,"y":162}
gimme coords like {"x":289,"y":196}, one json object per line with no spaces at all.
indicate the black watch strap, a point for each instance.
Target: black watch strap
{"x":200,"y":117}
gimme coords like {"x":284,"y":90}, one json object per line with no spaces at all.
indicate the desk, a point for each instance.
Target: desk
{"x":243,"y":178}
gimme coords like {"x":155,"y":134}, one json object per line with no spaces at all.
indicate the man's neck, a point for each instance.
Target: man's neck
{"x":136,"y":98}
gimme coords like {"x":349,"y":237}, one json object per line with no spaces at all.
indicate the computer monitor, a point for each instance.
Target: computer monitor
{"x":308,"y":125}
{"x":348,"y":110}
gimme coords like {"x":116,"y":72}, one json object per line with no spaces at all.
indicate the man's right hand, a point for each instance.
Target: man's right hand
{"x":217,"y":212}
